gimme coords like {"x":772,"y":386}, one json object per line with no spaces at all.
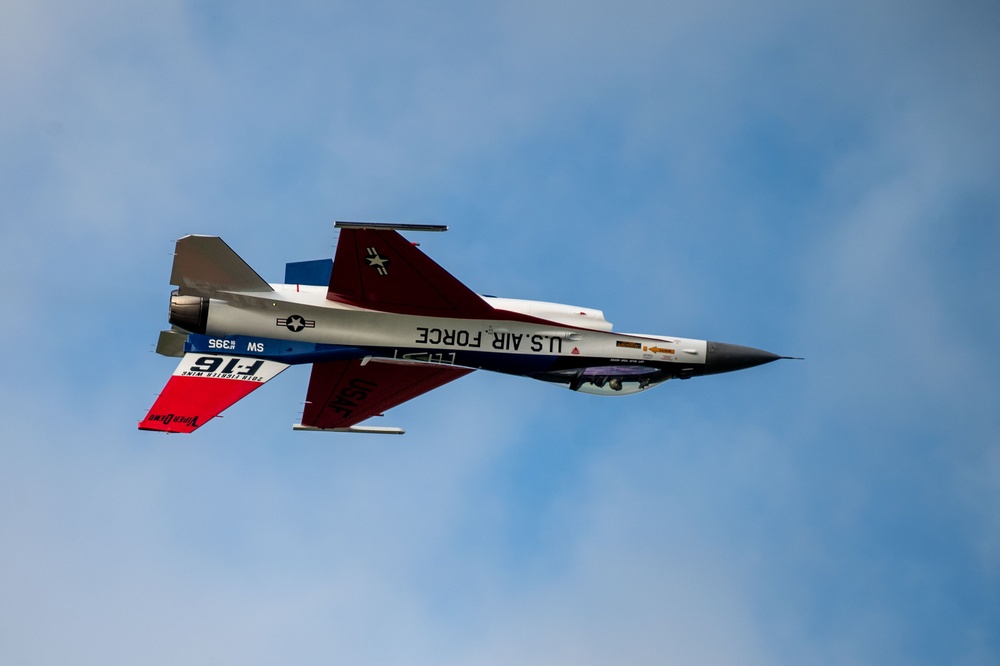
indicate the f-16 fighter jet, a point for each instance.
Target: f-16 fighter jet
{"x":382,"y":323}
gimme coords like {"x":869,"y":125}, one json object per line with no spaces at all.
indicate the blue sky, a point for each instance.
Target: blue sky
{"x":816,"y":180}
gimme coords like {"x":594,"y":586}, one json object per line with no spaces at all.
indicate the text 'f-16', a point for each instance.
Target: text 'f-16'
{"x":382,"y":323}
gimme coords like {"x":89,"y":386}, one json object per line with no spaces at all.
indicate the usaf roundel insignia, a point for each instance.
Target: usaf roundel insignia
{"x":377,"y":261}
{"x":295,"y":323}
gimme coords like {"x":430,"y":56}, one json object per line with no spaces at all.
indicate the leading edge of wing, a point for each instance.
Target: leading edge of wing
{"x":344,"y":393}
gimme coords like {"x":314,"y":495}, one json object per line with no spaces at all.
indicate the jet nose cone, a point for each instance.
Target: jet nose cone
{"x":722,"y":357}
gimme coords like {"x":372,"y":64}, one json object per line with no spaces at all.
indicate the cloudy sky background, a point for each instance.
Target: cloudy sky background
{"x":819,"y":180}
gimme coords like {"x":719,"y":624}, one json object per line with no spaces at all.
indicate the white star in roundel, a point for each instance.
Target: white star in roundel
{"x":377,"y":261}
{"x":295,"y":323}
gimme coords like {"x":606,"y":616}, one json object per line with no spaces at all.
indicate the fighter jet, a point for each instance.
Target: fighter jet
{"x":382,"y":323}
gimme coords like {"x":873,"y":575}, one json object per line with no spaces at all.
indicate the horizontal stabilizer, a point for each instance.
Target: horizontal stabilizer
{"x":204,"y":265}
{"x":171,"y":343}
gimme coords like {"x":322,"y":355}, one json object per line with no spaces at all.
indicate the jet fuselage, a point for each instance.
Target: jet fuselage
{"x":382,"y":323}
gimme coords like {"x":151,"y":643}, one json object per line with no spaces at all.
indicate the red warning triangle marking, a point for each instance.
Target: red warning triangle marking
{"x":576,"y":350}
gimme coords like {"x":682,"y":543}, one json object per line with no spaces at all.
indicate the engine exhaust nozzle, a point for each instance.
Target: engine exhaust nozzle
{"x":189,"y":312}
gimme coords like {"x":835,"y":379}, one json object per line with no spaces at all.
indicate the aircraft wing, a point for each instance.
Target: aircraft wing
{"x":202,"y":386}
{"x":378,"y":269}
{"x":343,"y":393}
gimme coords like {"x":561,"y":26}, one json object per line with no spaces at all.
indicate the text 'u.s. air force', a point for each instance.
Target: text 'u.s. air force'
{"x":514,"y":342}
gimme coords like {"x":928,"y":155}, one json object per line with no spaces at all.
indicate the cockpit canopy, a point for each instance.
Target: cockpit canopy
{"x":608,"y":380}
